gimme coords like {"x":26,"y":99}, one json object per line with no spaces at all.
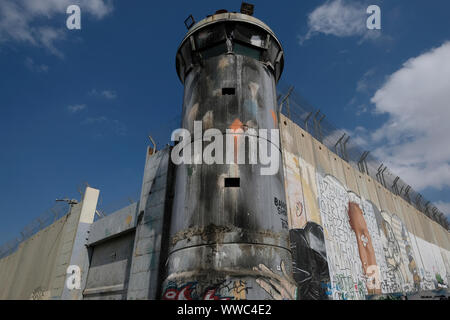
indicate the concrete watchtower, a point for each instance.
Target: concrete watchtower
{"x":229,"y":232}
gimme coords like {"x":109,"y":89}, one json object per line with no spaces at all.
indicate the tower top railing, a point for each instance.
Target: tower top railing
{"x":227,"y":33}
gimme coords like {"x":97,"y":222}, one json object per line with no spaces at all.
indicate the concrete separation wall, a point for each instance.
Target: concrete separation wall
{"x":351,"y":238}
{"x":37,"y":270}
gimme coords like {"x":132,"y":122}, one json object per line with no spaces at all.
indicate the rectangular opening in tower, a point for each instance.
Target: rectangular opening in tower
{"x":232,"y":182}
{"x":228,"y":91}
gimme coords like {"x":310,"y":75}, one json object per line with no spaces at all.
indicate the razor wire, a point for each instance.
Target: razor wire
{"x":56,"y":212}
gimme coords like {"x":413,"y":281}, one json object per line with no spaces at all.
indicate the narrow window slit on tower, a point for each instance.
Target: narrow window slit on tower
{"x":232,"y":182}
{"x":228,"y":91}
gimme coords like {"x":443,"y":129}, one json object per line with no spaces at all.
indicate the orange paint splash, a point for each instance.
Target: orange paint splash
{"x":236,"y":125}
{"x":274,"y":117}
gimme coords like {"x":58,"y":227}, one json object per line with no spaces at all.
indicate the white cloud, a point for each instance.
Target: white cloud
{"x":365,"y":83}
{"x":444,"y":207}
{"x":364,"y":87}
{"x":76,"y":108}
{"x":48,"y":36}
{"x":333,"y":137}
{"x":340,"y":18}
{"x":95,"y":120}
{"x":97,"y":8}
{"x":108,"y":94}
{"x":414,"y":139}
{"x":32,"y":66}
{"x":360,"y":137}
{"x":30,"y":21}
{"x":361,"y":109}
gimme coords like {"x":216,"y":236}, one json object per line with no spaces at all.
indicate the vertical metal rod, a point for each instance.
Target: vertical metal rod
{"x":288,"y":107}
{"x":315,"y":124}
{"x":345,"y":149}
{"x":338,"y":142}
{"x":407,"y":193}
{"x":382,"y":176}
{"x":320,"y":128}
{"x":360,"y":162}
{"x":378,"y":173}
{"x":306,"y":121}
{"x":394,"y":185}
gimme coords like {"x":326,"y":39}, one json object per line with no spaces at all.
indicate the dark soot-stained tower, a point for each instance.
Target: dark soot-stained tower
{"x":229,"y":224}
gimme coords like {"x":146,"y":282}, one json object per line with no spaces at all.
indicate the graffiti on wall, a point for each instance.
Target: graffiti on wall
{"x":371,"y":248}
{"x":433,"y":271}
{"x":371,"y":252}
{"x":446,"y":259}
{"x":279,"y":287}
{"x":400,"y":261}
{"x":294,"y":192}
{"x":350,"y":249}
{"x":222,"y":290}
{"x":309,"y":262}
{"x":367,"y":251}
{"x":358,"y":225}
{"x":40,"y":294}
{"x":281,"y":207}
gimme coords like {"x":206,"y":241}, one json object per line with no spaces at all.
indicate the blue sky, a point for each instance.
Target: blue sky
{"x":77,"y":105}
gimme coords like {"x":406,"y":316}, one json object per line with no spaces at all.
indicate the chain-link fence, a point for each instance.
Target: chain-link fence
{"x":56,"y":212}
{"x":312,"y":120}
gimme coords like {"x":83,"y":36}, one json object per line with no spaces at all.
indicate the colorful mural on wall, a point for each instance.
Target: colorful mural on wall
{"x":400,"y":261}
{"x":223,"y":290}
{"x":278,"y":286}
{"x":352,"y":249}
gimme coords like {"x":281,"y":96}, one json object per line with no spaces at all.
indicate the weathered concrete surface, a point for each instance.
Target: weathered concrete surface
{"x":28,"y":273}
{"x":37,"y":270}
{"x":113,"y":224}
{"x":109,"y":268}
{"x":110,"y":246}
{"x":220,"y":231}
{"x":145,"y":273}
{"x":80,"y":256}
